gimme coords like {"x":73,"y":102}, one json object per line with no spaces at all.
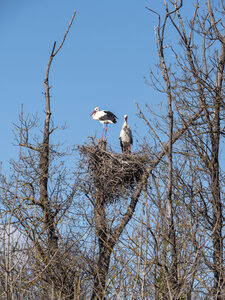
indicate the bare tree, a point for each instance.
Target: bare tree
{"x":194,"y":79}
{"x":113,"y":178}
{"x":37,"y":198}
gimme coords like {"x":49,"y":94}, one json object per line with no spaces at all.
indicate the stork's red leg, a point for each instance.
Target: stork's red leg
{"x":105,"y":131}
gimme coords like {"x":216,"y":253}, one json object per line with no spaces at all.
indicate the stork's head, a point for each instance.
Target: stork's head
{"x":125,"y":118}
{"x":95,"y":110}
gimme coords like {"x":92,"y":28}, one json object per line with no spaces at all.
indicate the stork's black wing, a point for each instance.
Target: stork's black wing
{"x":108,"y":116}
{"x":131,"y":140}
{"x":121,"y":144}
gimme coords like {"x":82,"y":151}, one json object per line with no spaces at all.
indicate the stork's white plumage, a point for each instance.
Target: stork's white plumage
{"x":105,"y":117}
{"x":126,"y":139}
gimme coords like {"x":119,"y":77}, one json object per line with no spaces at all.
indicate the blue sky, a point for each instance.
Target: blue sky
{"x":108,"y":52}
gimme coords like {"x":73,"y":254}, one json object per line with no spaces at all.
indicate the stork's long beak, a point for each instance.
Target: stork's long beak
{"x":93,"y":112}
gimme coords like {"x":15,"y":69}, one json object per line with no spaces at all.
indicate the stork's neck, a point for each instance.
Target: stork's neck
{"x":125,"y":124}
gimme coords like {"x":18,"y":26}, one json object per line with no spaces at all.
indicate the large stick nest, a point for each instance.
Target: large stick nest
{"x":114,"y":174}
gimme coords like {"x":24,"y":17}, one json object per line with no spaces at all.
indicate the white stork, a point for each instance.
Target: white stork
{"x":105,"y":117}
{"x":126,"y":139}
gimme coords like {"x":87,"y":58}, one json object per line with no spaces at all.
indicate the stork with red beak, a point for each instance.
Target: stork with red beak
{"x":126,"y":139}
{"x":104,"y":117}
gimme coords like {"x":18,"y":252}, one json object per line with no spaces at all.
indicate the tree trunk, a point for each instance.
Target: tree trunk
{"x":44,"y":167}
{"x":105,"y":248}
{"x":217,"y":224}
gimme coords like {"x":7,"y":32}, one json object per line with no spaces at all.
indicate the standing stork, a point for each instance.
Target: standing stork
{"x":126,"y":139}
{"x":104,"y":117}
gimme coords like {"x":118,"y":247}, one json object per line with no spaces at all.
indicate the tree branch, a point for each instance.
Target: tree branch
{"x":60,"y":46}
